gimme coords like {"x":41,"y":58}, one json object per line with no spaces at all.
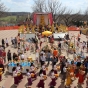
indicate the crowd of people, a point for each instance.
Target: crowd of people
{"x":67,"y":69}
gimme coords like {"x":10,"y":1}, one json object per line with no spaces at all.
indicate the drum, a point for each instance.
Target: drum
{"x":18,"y":74}
{"x":32,"y":74}
{"x":56,"y":75}
{"x":45,"y":77}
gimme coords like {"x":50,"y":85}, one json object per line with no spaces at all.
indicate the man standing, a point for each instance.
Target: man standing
{"x":12,"y":40}
{"x":3,"y":43}
{"x":48,"y":56}
{"x":4,"y":56}
{"x":59,"y":47}
{"x":87,"y":46}
{"x":6,"y":42}
{"x":15,"y":42}
{"x":9,"y":55}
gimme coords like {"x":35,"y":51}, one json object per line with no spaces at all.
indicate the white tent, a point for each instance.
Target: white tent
{"x":59,"y":35}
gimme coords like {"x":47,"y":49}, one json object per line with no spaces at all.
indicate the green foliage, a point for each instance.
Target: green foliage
{"x":12,"y":19}
{"x":8,"y":18}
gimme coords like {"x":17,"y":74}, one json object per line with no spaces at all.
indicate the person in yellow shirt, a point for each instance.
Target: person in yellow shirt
{"x":68,"y":80}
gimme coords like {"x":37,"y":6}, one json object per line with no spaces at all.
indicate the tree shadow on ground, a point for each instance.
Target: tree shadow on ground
{"x":7,"y":74}
{"x":26,"y":85}
{"x":13,"y":86}
{"x":79,"y":86}
{"x":62,"y":85}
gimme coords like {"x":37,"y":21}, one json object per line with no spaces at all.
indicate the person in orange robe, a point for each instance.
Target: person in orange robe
{"x":55,"y":52}
{"x":81,"y":76}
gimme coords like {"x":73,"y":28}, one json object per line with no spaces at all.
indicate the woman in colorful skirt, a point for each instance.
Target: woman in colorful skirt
{"x":19,"y":69}
{"x":29,"y":78}
{"x":41,"y":82}
{"x":33,"y":71}
{"x":53,"y":79}
{"x":16,"y":80}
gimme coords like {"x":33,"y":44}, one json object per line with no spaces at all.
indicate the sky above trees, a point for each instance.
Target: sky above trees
{"x":26,"y":5}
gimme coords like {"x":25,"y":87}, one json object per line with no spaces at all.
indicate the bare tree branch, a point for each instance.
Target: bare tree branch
{"x":3,"y":9}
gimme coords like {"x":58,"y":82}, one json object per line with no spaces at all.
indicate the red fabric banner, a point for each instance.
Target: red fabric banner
{"x":50,"y":18}
{"x":34,"y":18}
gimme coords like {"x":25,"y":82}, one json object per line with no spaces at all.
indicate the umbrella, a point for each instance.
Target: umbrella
{"x":46,"y":33}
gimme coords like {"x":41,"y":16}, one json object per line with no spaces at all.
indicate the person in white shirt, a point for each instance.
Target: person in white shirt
{"x":37,"y":56}
{"x":64,"y":73}
{"x":18,"y":51}
{"x":29,"y":77}
{"x":55,"y":69}
{"x":19,"y":70}
{"x":6,"y":42}
{"x":83,"y":45}
{"x":41,"y":82}
{"x":16,"y":79}
{"x":12,"y":40}
{"x":74,"y":55}
{"x":53,"y":79}
{"x":42,"y":59}
{"x":22,"y":56}
{"x":33,"y":71}
{"x":44,"y":69}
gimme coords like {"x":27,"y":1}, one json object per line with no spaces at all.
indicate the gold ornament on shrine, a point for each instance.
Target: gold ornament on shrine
{"x":21,"y":29}
{"x":42,"y":22}
{"x":62,"y":28}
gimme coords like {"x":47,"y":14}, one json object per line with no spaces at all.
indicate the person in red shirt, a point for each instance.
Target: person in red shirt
{"x":1,"y":64}
{"x":4,"y":56}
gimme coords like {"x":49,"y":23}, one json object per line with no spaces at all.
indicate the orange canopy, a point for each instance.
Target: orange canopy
{"x":73,"y":28}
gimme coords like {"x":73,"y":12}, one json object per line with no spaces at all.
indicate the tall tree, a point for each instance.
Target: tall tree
{"x":56,"y":8}
{"x":86,"y":15}
{"x":38,"y":5}
{"x":3,"y":9}
{"x":53,"y":6}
